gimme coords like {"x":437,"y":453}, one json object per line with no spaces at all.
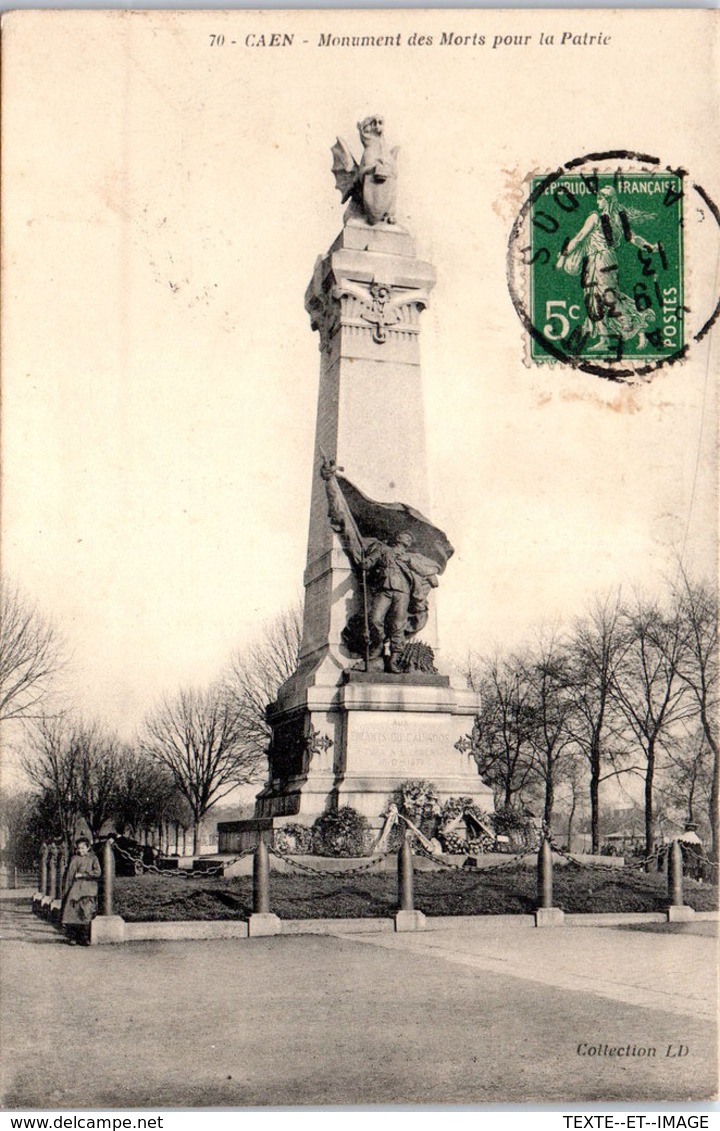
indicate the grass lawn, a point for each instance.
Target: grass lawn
{"x":330,"y":896}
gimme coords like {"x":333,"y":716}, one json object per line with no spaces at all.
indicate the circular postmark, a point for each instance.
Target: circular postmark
{"x":611,"y":265}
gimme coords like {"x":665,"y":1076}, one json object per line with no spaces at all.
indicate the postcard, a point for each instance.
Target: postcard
{"x":364,"y":363}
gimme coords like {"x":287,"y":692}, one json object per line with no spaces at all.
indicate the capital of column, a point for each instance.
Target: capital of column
{"x":375,"y":295}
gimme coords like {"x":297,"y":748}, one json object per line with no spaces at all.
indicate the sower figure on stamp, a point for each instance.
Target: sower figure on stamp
{"x":592,"y":254}
{"x":395,"y":577}
{"x":80,"y":892}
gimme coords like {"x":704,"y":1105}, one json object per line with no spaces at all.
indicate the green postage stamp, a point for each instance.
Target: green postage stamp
{"x":606,"y":267}
{"x":596,"y":265}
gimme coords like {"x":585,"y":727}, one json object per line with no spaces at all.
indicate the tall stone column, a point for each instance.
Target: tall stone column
{"x":364,"y":300}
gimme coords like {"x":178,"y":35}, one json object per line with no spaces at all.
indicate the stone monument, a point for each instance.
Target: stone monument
{"x":367,"y":709}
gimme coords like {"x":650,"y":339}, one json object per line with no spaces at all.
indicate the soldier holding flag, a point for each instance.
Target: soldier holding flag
{"x":384,"y":542}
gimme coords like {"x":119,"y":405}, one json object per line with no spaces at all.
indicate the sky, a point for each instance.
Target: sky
{"x":165,"y":201}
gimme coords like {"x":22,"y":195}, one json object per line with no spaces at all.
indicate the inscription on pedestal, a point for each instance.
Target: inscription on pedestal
{"x":399,"y":744}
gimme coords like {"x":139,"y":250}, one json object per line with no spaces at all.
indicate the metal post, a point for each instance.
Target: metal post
{"x":546,"y":915}
{"x":675,"y":875}
{"x":62,"y":866}
{"x":405,"y":875}
{"x":261,"y":880}
{"x":545,"y":875}
{"x":108,"y":877}
{"x":44,"y":851}
{"x":52,"y":871}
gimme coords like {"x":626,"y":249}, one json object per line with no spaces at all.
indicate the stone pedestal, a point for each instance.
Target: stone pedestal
{"x":355,"y":743}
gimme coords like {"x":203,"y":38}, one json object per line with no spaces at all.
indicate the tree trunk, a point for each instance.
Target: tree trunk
{"x":196,"y":837}
{"x":571,"y":822}
{"x":549,"y":801}
{"x":691,"y":805}
{"x":649,"y":808}
{"x":595,"y":798}
{"x":715,"y":805}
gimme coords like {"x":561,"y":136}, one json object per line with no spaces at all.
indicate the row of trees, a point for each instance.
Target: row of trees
{"x":627,"y":691}
{"x":630,"y":689}
{"x":192,"y":750}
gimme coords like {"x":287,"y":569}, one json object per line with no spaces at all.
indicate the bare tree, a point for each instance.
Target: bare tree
{"x":650,"y":692}
{"x":99,"y":760}
{"x":577,"y":784}
{"x":22,"y":831}
{"x":697,"y":610}
{"x":501,"y":735}
{"x":30,"y":655}
{"x":256,"y":674}
{"x":49,"y":761}
{"x":597,"y":643}
{"x":550,"y":711}
{"x":199,"y":736}
{"x":79,"y":765}
{"x":687,"y":777}
{"x":146,"y":794}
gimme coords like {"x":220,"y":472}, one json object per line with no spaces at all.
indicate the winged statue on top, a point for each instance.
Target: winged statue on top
{"x":371,"y":186}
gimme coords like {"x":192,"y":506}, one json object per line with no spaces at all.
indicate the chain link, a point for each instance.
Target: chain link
{"x":512,"y":862}
{"x":181,"y":873}
{"x":637,"y":865}
{"x":704,"y":860}
{"x":359,"y":871}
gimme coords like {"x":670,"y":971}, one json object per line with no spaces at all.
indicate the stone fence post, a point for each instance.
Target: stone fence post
{"x":407,"y":918}
{"x":107,"y":927}
{"x":262,"y":921}
{"x":42,"y":888}
{"x":108,"y":877}
{"x":546,"y":915}
{"x":62,"y":869}
{"x":43,"y":885}
{"x":51,"y":879}
{"x":678,"y":911}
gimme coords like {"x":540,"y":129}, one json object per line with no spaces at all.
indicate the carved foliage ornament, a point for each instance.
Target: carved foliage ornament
{"x":377,"y":306}
{"x":316,"y":743}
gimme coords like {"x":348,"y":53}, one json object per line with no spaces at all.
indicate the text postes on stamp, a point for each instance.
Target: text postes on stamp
{"x":596,"y":266}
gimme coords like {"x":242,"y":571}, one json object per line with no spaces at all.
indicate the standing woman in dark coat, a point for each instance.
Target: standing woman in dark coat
{"x":80,"y":893}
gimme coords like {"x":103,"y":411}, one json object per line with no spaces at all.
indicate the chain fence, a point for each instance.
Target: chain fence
{"x":638,"y":864}
{"x":513,"y":862}
{"x":521,"y":858}
{"x":359,"y":870}
{"x":180,"y":873}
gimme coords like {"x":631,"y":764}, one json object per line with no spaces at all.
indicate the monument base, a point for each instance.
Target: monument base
{"x":355,"y":743}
